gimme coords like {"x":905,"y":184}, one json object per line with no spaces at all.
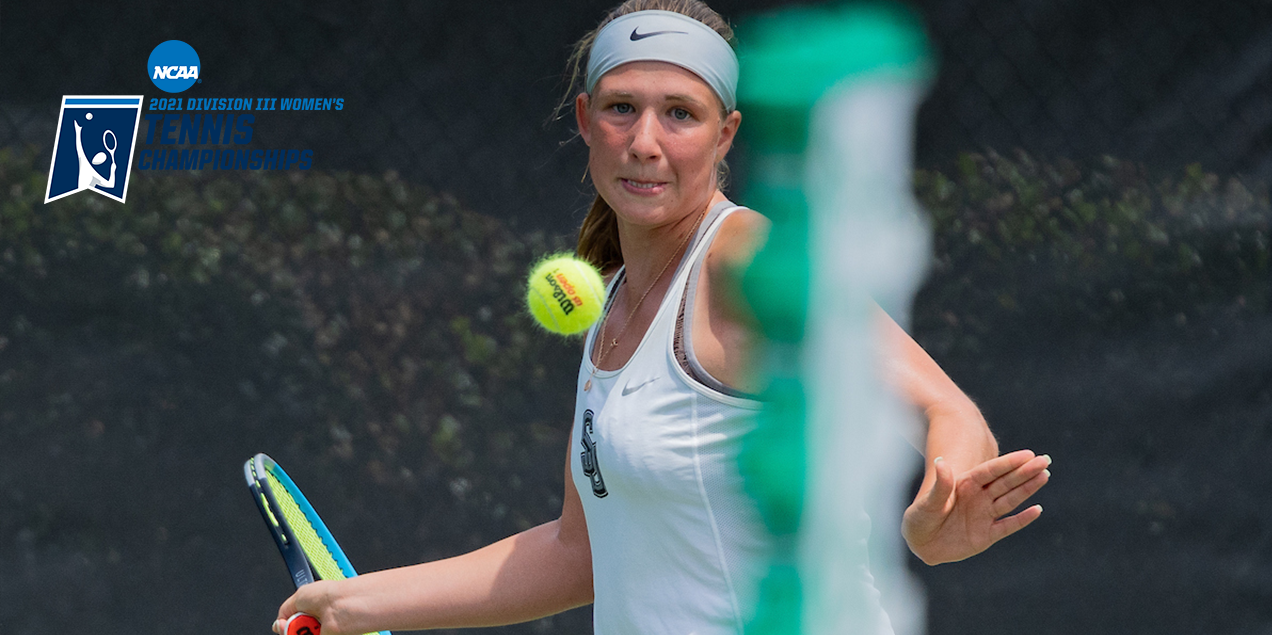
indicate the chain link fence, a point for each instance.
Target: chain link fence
{"x":457,"y":96}
{"x":1166,"y":84}
{"x":1161,"y":412}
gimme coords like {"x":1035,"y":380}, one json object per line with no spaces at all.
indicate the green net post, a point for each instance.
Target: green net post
{"x":830,"y":166}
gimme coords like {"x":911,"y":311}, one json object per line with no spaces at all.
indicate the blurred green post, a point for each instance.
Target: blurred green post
{"x":828,"y":97}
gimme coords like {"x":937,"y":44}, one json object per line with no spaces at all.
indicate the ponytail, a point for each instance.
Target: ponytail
{"x":598,"y":237}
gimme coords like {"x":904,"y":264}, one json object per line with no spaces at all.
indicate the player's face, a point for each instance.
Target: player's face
{"x":655,"y":132}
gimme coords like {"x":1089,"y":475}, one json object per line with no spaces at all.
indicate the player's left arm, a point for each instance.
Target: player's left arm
{"x":953,"y":427}
{"x":968,"y":490}
{"x":961,"y":508}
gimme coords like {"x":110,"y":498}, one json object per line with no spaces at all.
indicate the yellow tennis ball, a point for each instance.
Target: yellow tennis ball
{"x":565,"y":294}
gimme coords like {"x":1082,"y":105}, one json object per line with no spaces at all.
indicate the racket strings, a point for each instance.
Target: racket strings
{"x":319,"y":554}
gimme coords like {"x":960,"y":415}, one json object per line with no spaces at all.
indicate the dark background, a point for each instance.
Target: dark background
{"x":456,"y":95}
{"x":1156,"y":518}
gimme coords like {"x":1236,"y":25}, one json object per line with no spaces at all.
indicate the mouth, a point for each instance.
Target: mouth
{"x":643,"y":187}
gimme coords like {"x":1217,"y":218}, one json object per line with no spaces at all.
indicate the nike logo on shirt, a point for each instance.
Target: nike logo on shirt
{"x":640,"y":36}
{"x":629,"y":389}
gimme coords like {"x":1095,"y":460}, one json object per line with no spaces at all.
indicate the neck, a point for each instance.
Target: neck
{"x":648,"y":250}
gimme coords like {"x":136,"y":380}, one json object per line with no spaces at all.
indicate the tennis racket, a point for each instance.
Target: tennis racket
{"x":307,"y":546}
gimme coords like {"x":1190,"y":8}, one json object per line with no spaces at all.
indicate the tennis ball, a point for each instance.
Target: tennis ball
{"x":565,"y":294}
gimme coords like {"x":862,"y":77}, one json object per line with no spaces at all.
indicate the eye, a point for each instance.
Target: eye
{"x":681,"y":114}
{"x":623,"y":108}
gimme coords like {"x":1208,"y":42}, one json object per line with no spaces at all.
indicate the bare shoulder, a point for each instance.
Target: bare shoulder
{"x":741,"y":235}
{"x":724,"y":330}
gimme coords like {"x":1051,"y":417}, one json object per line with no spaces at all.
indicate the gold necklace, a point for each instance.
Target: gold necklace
{"x":626,"y":323}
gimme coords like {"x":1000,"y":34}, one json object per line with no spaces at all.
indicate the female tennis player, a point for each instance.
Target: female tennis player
{"x":655,"y":529}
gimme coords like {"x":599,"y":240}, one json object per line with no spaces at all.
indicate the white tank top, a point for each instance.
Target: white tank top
{"x":677,"y":545}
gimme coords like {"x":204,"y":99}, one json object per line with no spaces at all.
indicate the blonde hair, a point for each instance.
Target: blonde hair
{"x":598,"y":235}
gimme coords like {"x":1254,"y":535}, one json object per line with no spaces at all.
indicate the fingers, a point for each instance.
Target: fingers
{"x":288,"y":607}
{"x":942,"y":487}
{"x":925,"y":517}
{"x":996,"y":468}
{"x":1019,"y":476}
{"x":1007,"y":526}
{"x":1019,"y":494}
{"x":1014,"y":488}
{"x":285,"y":611}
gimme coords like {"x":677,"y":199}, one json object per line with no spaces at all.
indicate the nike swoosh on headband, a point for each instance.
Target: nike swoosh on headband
{"x":640,"y":36}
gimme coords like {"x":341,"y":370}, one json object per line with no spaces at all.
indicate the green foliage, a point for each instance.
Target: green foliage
{"x":1024,"y":246}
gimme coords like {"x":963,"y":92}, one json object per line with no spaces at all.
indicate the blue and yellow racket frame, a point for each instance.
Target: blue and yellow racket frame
{"x":257,"y":470}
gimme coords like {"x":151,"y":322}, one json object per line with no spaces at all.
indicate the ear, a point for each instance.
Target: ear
{"x":580,"y":117}
{"x":728,"y":130}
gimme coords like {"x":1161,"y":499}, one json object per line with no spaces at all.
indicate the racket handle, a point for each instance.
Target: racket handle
{"x":302,"y":624}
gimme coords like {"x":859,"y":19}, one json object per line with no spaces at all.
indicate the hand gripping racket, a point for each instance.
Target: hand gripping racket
{"x":308,"y":548}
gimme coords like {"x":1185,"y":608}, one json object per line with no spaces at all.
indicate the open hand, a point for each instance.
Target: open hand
{"x":962,"y":515}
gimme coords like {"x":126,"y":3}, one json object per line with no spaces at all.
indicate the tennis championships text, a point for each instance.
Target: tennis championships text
{"x":195,"y":122}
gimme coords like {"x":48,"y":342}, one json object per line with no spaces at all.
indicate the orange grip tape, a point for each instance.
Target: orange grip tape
{"x":302,"y":624}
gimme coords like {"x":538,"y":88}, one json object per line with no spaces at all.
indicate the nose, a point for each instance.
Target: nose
{"x":645,"y":145}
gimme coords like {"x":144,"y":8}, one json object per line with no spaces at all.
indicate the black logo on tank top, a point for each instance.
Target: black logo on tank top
{"x":591,"y":469}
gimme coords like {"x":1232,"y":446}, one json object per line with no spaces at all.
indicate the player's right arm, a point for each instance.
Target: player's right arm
{"x":538,"y":572}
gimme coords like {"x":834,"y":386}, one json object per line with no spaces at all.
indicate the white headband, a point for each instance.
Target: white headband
{"x":666,"y":36}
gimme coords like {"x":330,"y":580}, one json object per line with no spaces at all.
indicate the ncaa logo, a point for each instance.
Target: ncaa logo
{"x":173,"y":66}
{"x":103,"y":128}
